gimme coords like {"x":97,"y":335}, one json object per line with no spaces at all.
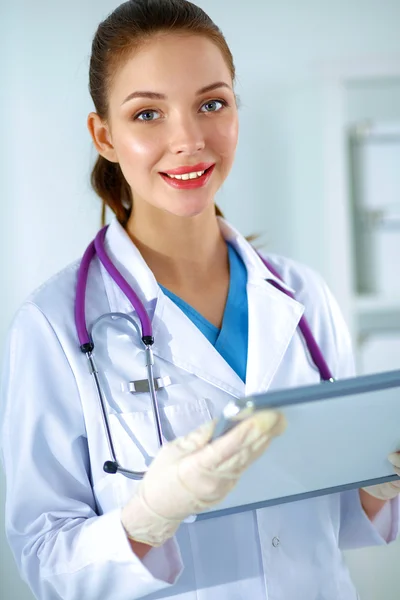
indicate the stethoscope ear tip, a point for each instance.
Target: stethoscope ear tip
{"x":110,"y":467}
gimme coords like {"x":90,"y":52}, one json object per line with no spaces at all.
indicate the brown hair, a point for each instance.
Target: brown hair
{"x":124,"y":30}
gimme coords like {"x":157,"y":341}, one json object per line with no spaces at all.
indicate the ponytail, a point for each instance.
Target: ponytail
{"x":110,"y":184}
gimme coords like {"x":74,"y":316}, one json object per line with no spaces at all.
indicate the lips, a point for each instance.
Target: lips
{"x":189,"y":184}
{"x":189,"y":168}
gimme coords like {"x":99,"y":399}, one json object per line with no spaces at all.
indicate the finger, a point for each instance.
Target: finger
{"x":175,"y":450}
{"x":241,"y":438}
{"x":242,"y":459}
{"x":394,"y":458}
{"x":196,"y":439}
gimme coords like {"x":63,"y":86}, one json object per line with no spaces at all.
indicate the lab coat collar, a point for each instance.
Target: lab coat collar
{"x":273,"y":316}
{"x":131,"y":264}
{"x":256,"y":268}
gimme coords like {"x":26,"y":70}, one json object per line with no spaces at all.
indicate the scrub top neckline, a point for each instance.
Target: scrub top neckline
{"x":215,"y":331}
{"x":231,"y":340}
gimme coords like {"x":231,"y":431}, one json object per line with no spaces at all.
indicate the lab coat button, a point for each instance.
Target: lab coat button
{"x":275,"y":542}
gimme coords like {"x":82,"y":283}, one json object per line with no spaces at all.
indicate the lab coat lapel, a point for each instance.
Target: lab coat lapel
{"x":176,"y":338}
{"x":273,"y":315}
{"x":273,"y":320}
{"x":180,"y":342}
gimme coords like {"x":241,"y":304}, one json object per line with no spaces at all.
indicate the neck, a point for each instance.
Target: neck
{"x":181,"y":252}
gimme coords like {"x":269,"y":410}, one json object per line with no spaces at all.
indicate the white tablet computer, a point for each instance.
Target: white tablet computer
{"x":338,"y":437}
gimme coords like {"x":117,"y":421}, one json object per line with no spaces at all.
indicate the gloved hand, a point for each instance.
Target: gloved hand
{"x":387,"y":491}
{"x":189,"y":475}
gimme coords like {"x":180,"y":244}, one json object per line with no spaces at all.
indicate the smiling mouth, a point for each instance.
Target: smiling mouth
{"x":188,"y":176}
{"x":188,"y":181}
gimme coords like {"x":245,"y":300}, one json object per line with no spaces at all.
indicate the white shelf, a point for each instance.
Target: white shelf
{"x":374,"y":314}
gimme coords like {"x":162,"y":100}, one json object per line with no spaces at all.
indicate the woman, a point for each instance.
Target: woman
{"x":165,"y":128}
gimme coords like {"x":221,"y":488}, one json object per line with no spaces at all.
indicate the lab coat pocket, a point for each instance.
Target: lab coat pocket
{"x":135,"y":436}
{"x":180,"y":419}
{"x":135,"y":442}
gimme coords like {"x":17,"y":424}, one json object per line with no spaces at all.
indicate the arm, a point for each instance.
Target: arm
{"x":361,"y":522}
{"x":139,"y":549}
{"x":371,"y":505}
{"x":359,"y":527}
{"x":380,"y":502}
{"x":62,"y":546}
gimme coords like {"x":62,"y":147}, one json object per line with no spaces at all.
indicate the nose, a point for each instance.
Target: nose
{"x":186,"y":136}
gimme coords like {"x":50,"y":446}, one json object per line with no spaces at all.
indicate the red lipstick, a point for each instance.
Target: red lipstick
{"x":189,"y":169}
{"x":189,"y":184}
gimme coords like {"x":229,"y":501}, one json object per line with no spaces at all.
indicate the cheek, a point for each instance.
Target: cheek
{"x":139,"y":149}
{"x":225,"y":137}
{"x":137,"y":156}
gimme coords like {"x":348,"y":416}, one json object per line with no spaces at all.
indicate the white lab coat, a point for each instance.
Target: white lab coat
{"x":63,"y":511}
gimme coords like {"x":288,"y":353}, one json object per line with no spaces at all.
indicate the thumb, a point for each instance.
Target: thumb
{"x":243,"y":439}
{"x":394,"y":458}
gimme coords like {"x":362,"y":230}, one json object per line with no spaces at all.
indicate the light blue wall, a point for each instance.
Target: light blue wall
{"x":280,"y":50}
{"x":376,"y":100}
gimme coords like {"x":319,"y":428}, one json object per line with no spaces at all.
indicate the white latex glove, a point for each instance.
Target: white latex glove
{"x":189,"y":475}
{"x":391,"y":489}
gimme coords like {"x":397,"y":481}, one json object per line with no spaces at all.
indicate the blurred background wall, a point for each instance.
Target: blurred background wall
{"x":310,"y":75}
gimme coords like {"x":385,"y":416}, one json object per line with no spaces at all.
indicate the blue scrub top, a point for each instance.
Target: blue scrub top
{"x":231,"y":340}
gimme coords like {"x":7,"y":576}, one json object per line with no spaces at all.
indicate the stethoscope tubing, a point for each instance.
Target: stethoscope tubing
{"x":153,"y":395}
{"x":313,"y":348}
{"x":147,"y":330}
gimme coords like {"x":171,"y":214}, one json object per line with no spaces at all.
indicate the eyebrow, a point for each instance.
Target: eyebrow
{"x":158,"y":96}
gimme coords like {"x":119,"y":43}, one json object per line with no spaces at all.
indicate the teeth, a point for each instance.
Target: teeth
{"x":186,"y":176}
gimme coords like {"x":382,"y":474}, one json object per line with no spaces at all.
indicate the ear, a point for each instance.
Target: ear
{"x":101,"y":137}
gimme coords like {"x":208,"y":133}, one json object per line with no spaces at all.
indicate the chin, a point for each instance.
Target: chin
{"x":189,"y":208}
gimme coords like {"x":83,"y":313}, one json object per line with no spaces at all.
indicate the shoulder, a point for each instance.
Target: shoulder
{"x":47,"y":314}
{"x":52,"y":304}
{"x":57,"y":291}
{"x":308,"y":285}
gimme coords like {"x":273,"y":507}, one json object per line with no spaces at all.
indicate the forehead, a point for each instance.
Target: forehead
{"x":171,"y":63}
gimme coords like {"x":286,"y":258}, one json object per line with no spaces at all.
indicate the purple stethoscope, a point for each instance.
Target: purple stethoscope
{"x":97,"y":247}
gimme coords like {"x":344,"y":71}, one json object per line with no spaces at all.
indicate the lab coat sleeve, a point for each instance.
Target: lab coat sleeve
{"x":63,"y":548}
{"x":356,"y":529}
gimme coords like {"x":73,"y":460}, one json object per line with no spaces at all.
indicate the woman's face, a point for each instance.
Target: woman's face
{"x":172,"y":109}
